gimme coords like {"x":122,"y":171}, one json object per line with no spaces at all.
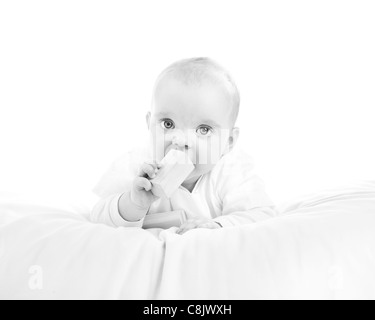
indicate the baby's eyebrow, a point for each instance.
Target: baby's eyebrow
{"x":162,"y":114}
{"x":212,"y":123}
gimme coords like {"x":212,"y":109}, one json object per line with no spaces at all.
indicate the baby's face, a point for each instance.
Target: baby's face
{"x":195,"y":119}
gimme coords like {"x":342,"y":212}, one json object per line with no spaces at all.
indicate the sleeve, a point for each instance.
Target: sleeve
{"x":106,"y":211}
{"x":242,"y":193}
{"x":115,"y":182}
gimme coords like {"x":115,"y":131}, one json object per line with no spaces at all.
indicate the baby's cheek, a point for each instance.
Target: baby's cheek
{"x":209,"y":152}
{"x":215,"y":156}
{"x":158,"y":144}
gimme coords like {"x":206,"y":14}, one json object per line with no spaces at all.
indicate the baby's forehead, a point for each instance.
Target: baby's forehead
{"x":171,"y":88}
{"x":199,"y":99}
{"x":188,"y":84}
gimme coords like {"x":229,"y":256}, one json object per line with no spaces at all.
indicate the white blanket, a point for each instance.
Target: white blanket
{"x":321,"y":247}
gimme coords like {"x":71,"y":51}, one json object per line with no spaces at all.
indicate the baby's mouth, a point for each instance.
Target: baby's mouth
{"x":174,"y":147}
{"x":191,"y":158}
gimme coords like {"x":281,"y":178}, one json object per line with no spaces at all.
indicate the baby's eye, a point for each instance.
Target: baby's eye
{"x":167,"y":124}
{"x":204,"y":131}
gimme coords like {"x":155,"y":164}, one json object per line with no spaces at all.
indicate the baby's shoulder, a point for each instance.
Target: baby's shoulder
{"x":232,"y":168}
{"x":236,"y":160}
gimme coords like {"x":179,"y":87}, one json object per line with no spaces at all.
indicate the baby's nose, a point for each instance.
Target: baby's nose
{"x":180,"y":142}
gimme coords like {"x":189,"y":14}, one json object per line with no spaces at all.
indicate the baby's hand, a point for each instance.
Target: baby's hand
{"x":198,"y":223}
{"x":133,"y":206}
{"x":141,"y":194}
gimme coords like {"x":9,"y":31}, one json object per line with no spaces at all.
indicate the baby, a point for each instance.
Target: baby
{"x":194,"y":109}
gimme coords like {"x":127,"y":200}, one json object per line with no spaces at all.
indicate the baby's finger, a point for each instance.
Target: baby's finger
{"x":142,"y":184}
{"x":188,"y":225}
{"x":158,"y":164}
{"x":147,"y":170}
{"x":152,"y":163}
{"x":155,"y":163}
{"x":204,"y":225}
{"x":184,"y":230}
{"x":209,"y":225}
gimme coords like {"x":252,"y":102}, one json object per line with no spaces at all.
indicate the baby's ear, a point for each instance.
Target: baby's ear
{"x":235,"y":135}
{"x":148,"y":117}
{"x":233,"y":138}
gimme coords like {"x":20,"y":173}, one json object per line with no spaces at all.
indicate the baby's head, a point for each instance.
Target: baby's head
{"x":194,"y":108}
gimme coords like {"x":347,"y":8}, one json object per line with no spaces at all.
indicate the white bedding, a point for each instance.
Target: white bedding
{"x":321,"y":247}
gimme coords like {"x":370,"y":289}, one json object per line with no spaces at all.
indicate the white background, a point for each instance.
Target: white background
{"x":76,"y":80}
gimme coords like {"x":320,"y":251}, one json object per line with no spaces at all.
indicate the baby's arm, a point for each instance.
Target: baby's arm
{"x":247,"y":203}
{"x":232,"y":219}
{"x":242,"y":194}
{"x":107,"y":211}
{"x":128,"y":209}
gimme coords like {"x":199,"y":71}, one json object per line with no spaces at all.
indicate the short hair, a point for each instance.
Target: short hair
{"x":197,"y":70}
